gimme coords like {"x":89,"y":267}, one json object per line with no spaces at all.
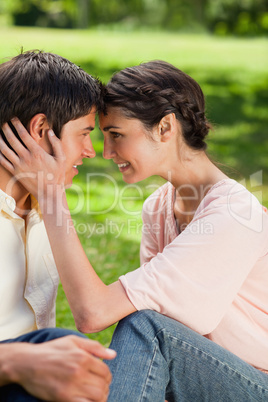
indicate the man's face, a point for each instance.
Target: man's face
{"x":76,"y":144}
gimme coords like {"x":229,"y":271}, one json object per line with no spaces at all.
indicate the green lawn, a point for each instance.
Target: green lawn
{"x":234,"y":76}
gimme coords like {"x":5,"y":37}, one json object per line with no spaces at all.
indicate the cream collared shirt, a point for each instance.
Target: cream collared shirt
{"x":29,"y":278}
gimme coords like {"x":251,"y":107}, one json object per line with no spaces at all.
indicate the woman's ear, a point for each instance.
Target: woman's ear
{"x":167,"y":127}
{"x":38,"y":127}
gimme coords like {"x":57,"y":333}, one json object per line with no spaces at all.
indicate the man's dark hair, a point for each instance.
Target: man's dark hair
{"x":37,"y":82}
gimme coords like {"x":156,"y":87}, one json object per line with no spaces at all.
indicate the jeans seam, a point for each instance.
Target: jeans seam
{"x":149,"y":372}
{"x":213,"y":358}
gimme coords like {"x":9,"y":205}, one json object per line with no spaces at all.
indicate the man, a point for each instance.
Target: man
{"x":44,"y":91}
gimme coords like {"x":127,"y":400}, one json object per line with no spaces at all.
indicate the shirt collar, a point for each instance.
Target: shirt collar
{"x":8,"y":205}
{"x":35,"y":205}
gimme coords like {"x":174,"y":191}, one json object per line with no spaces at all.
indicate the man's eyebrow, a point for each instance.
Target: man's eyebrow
{"x":107,"y":128}
{"x":90,"y":128}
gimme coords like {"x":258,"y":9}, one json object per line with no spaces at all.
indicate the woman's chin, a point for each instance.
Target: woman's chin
{"x":134,"y":179}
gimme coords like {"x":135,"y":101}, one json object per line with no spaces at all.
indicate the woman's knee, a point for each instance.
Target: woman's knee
{"x":148,"y":324}
{"x":140,"y":321}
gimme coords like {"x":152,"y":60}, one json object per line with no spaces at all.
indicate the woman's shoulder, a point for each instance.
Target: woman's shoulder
{"x":160,"y":199}
{"x":232,"y":201}
{"x":228,"y":191}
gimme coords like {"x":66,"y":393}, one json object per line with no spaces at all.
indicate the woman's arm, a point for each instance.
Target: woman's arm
{"x":94,"y":305}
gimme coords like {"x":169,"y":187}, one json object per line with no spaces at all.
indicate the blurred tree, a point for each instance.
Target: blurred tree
{"x":179,"y":14}
{"x":83,"y":13}
{"x":240,"y":17}
{"x":199,"y":8}
{"x":115,"y":11}
{"x":53,"y":13}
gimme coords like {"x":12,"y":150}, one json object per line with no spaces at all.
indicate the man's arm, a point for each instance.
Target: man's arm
{"x":65,"y":369}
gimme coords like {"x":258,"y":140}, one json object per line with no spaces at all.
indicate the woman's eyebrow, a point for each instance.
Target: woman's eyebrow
{"x":107,"y":128}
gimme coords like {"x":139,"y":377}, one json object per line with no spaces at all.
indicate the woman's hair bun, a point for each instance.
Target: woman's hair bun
{"x":152,"y":90}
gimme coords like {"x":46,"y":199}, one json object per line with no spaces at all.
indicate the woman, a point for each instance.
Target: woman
{"x":204,"y":250}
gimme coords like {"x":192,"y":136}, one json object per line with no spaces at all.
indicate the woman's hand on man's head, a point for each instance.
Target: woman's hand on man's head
{"x":32,"y":166}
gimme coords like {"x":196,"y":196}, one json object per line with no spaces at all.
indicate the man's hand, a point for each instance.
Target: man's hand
{"x":63,"y":370}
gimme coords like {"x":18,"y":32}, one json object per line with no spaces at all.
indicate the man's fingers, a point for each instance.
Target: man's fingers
{"x":95,"y":388}
{"x":99,"y":368}
{"x":96,"y":349}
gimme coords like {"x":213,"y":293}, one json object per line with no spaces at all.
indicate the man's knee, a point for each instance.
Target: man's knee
{"x":48,"y":334}
{"x":44,"y":335}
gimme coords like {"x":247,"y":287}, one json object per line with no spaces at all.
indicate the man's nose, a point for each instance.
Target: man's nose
{"x":89,"y":151}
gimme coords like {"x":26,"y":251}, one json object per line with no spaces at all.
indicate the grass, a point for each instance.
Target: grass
{"x":233,"y":74}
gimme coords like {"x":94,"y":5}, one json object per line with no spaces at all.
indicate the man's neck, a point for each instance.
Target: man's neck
{"x":14,"y":189}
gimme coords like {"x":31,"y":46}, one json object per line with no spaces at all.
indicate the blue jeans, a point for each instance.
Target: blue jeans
{"x":159,"y":358}
{"x":14,"y":392}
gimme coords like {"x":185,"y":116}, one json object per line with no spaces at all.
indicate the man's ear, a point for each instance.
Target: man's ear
{"x":167,"y":127}
{"x":38,"y":127}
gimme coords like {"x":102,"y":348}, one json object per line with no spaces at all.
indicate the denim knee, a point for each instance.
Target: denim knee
{"x":43,"y":335}
{"x":140,"y":322}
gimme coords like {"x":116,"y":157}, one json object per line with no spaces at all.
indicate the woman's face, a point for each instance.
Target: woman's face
{"x":127,"y":142}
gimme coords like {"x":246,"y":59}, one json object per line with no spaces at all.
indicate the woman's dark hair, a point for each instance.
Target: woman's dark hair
{"x":152,"y":90}
{"x":38,"y":82}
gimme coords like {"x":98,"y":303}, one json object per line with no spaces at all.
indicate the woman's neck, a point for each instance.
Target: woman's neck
{"x":192,"y":178}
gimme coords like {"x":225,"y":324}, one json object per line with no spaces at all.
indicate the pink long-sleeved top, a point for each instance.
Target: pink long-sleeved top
{"x":213,"y":276}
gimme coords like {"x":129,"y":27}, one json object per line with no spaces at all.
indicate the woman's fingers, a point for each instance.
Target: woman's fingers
{"x":29,"y":142}
{"x":8,"y":157}
{"x":6,"y":164}
{"x":13,"y":140}
{"x":56,"y":146}
{"x":26,"y":163}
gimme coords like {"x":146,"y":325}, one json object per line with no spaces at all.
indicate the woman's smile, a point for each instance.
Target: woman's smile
{"x":123,"y":167}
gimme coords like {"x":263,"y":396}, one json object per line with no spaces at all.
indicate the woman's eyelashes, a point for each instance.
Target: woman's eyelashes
{"x":114,"y":134}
